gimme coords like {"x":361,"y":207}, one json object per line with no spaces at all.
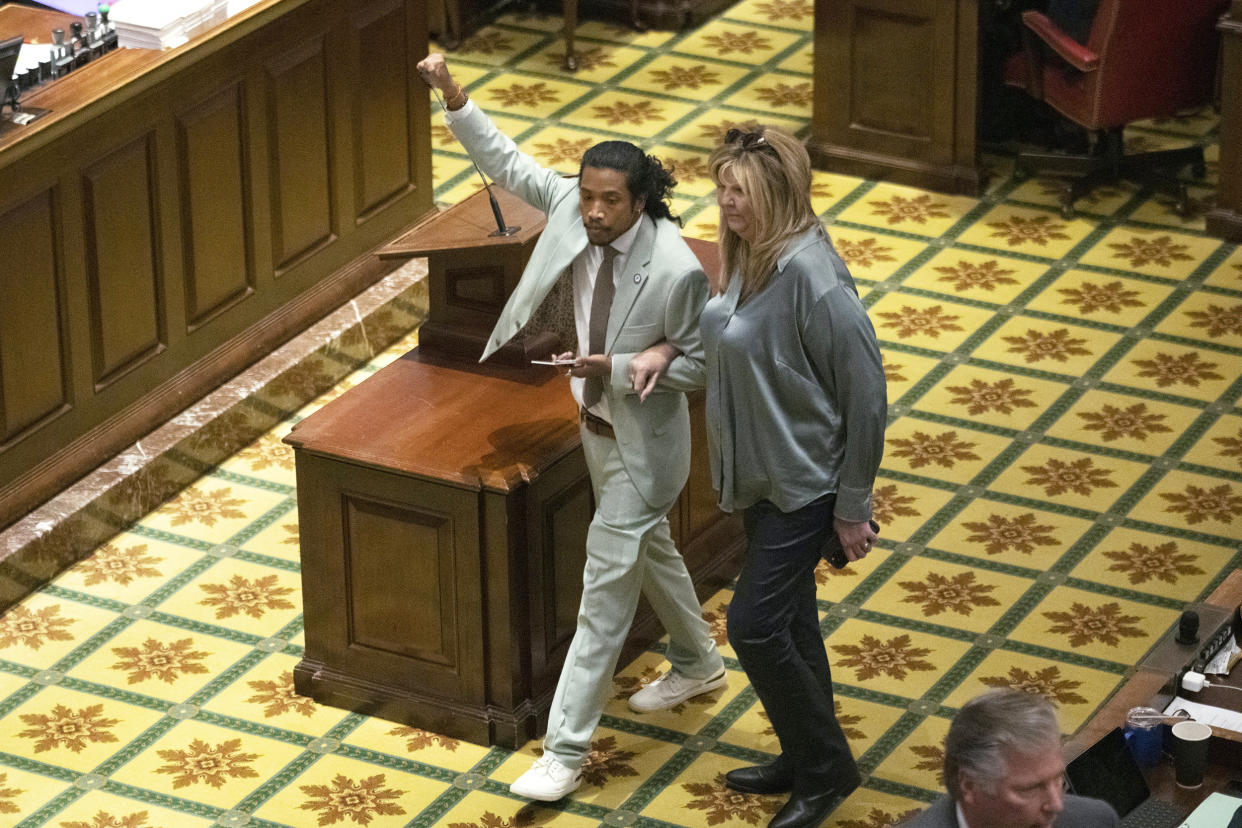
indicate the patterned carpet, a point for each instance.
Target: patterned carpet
{"x":1063,"y":473}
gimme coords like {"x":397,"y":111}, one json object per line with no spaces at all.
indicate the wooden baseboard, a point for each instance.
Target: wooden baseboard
{"x":1225,"y":224}
{"x":947,"y":178}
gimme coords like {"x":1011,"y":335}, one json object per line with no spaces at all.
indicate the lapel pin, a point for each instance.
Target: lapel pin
{"x":637,"y":278}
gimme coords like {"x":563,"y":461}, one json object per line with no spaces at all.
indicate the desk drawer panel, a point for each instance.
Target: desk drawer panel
{"x":122,"y":260}
{"x":391,"y":578}
{"x":382,"y":121}
{"x":399,"y":563}
{"x":299,"y":154}
{"x":32,"y":352}
{"x":212,"y":167}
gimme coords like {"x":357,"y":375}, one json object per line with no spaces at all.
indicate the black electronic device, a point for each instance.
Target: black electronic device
{"x":11,"y":86}
{"x":10,"y":48}
{"x":1108,"y":771}
{"x":834,"y":553}
{"x":1217,"y":642}
{"x":1188,"y":628}
{"x":62,"y":54}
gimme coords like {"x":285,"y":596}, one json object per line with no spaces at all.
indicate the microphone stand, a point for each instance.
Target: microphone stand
{"x":501,"y":228}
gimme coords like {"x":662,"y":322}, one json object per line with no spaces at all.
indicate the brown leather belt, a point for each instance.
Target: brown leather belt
{"x":596,"y":425}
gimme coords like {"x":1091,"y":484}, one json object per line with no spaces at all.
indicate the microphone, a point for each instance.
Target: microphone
{"x":1188,"y":628}
{"x":502,"y":229}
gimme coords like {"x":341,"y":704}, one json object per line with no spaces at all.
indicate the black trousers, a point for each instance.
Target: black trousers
{"x":773,"y":625}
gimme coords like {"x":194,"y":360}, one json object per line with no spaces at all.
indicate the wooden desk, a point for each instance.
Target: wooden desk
{"x":181,"y":213}
{"x":896,"y":91}
{"x":1225,"y":218}
{"x":32,"y":23}
{"x":422,"y":604}
{"x":444,"y":509}
{"x":1147,"y":688}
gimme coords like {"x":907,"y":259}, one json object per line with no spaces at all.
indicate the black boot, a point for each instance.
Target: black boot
{"x":774,"y":778}
{"x":808,"y":808}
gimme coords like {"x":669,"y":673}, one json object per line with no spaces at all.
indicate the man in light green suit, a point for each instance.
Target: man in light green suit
{"x":612,"y":250}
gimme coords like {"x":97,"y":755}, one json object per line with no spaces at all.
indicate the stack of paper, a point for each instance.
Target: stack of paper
{"x":31,"y":55}
{"x":1208,"y":714}
{"x":163,"y":24}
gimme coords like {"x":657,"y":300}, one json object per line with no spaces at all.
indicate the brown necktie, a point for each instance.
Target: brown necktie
{"x":601,"y":304}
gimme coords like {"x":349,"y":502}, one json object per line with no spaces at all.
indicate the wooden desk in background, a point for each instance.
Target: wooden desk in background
{"x":1145,"y":687}
{"x":896,"y":97}
{"x":895,"y":91}
{"x":180,"y":213}
{"x":35,"y":25}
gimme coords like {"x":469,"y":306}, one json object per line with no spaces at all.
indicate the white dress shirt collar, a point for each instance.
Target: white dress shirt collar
{"x":625,"y":241}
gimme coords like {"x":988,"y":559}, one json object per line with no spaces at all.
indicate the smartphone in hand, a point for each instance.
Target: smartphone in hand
{"x":834,"y":553}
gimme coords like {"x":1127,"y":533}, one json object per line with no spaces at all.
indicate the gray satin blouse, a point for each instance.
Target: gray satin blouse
{"x":796,"y":403}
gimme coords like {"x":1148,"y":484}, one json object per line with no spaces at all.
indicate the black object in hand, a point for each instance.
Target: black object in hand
{"x":834,"y":553}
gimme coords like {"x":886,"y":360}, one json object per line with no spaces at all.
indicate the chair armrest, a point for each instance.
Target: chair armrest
{"x":1068,"y":49}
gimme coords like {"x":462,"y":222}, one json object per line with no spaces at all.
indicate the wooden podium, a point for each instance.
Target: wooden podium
{"x":471,"y":270}
{"x":444,"y":506}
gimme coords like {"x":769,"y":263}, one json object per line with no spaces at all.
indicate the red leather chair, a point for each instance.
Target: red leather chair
{"x":1142,"y":59}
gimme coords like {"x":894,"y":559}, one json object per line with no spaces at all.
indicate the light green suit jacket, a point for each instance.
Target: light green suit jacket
{"x":661,"y":291}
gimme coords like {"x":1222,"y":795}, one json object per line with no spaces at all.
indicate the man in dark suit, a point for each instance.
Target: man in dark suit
{"x":632,"y":281}
{"x":1003,"y":768}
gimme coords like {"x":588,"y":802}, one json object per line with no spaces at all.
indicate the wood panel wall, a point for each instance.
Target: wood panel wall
{"x":181,"y":215}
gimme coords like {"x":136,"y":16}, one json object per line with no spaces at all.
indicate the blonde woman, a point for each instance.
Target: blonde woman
{"x":795,"y":422}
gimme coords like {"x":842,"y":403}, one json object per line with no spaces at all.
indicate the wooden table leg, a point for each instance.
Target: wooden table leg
{"x":570,"y":13}
{"x":569,"y":10}
{"x":635,"y":20}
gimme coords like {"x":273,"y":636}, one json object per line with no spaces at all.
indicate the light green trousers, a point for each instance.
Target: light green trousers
{"x":629,"y":549}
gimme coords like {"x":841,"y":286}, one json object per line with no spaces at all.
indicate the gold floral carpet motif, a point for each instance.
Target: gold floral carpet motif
{"x":1063,"y":473}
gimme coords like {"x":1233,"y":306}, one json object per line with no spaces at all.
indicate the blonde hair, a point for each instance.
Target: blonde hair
{"x":773,"y":171}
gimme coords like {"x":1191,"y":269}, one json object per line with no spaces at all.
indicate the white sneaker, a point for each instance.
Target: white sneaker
{"x":547,"y":780}
{"x":671,"y":689}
